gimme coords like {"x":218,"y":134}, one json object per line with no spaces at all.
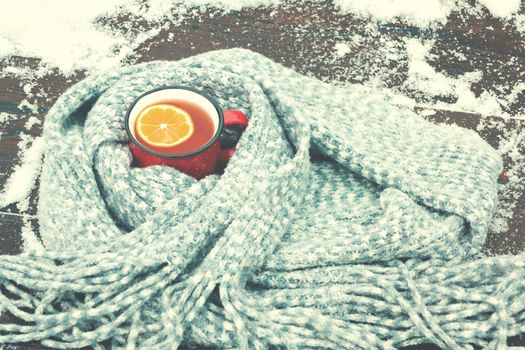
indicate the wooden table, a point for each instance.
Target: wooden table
{"x":305,"y":39}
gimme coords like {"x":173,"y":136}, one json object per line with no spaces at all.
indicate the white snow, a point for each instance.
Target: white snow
{"x":421,"y":12}
{"x":421,"y":75}
{"x":341,"y":49}
{"x":501,"y":8}
{"x":29,"y":238}
{"x":32,"y":121}
{"x":516,"y":90}
{"x":424,"y":78}
{"x":8,"y":346}
{"x":28,"y":88}
{"x":32,"y":107}
{"x":20,"y":183}
{"x":4,"y":117}
{"x":6,"y":48}
{"x":520,"y":23}
{"x":416,"y":12}
{"x":60,"y":32}
{"x":70,"y":35}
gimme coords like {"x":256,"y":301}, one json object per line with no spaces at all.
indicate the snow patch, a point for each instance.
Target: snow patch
{"x":19,"y":185}
{"x":32,"y":121}
{"x":75,"y":37}
{"x":71,"y":39}
{"x":520,"y":23}
{"x":25,"y":104}
{"x":501,"y":8}
{"x":341,"y":49}
{"x":5,"y":117}
{"x":30,"y":240}
{"x":422,"y":12}
{"x":422,"y":77}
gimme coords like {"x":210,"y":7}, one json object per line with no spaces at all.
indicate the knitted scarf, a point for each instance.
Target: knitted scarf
{"x":341,"y":222}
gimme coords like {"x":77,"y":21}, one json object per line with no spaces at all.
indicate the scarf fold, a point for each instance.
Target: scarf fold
{"x":341,"y":221}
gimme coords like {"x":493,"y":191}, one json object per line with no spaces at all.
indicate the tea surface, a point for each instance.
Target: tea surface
{"x":204,"y":129}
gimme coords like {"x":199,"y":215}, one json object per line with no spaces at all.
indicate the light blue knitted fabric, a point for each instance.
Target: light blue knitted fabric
{"x":341,"y":222}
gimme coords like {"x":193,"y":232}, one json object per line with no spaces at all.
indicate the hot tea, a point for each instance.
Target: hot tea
{"x":202,"y":132}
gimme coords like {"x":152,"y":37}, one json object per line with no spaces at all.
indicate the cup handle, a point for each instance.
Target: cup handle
{"x":231,"y":117}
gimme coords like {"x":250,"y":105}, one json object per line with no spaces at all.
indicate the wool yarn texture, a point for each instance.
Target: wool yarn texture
{"x":341,"y":222}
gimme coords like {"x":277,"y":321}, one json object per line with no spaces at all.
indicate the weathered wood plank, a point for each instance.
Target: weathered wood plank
{"x":10,"y":234}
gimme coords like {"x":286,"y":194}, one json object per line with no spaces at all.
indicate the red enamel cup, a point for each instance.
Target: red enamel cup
{"x":200,"y":162}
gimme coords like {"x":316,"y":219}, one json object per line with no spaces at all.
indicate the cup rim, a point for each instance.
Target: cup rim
{"x":181,"y":155}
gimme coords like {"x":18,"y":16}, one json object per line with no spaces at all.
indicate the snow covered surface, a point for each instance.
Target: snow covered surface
{"x":72,"y":36}
{"x":61,"y":33}
{"x":421,"y":11}
{"x":342,"y":49}
{"x":501,"y":8}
